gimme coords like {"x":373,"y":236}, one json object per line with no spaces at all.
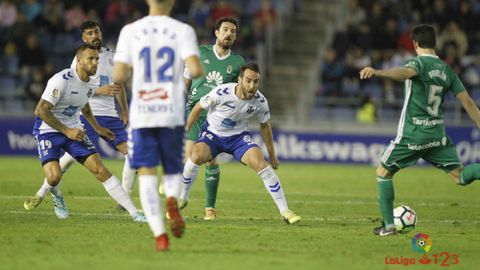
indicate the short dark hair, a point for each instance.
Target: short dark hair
{"x":84,"y":47}
{"x":250,"y":65}
{"x":88,"y":25}
{"x":229,"y":19}
{"x":424,"y":34}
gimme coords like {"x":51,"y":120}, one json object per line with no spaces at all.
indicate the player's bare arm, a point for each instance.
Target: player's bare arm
{"x":397,"y":74}
{"x":108,"y":90}
{"x":194,"y":66}
{"x":122,"y":101}
{"x":104,"y":132}
{"x":121,"y":72}
{"x":193,"y":117}
{"x":44,"y":111}
{"x":470,"y":106}
{"x":266,"y":132}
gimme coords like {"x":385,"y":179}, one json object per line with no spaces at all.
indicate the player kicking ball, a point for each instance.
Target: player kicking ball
{"x":230,"y":106}
{"x":58,"y":127}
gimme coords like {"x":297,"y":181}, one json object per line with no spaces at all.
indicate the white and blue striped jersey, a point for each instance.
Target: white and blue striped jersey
{"x":228,"y":115}
{"x":68,"y":95}
{"x":156,"y":47}
{"x":102,"y":105}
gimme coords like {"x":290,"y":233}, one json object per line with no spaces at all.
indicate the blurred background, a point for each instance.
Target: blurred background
{"x":310,"y":52}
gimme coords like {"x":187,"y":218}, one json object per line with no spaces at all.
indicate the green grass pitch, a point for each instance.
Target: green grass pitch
{"x":337,"y":204}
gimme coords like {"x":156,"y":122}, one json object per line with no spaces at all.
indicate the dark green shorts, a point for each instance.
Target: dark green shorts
{"x":192,"y":134}
{"x":439,"y":152}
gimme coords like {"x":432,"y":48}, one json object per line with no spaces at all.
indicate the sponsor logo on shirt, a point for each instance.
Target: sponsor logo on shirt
{"x":214,"y":77}
{"x":159,"y":93}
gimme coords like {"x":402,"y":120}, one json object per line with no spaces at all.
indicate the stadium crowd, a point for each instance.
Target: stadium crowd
{"x":377,"y":33}
{"x":39,"y":37}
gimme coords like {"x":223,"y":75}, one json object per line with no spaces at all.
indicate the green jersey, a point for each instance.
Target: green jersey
{"x":218,"y":70}
{"x":422,"y":113}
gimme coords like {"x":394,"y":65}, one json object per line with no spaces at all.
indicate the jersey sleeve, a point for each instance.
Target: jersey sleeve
{"x":54,"y":90}
{"x":415,"y":64}
{"x":189,"y":44}
{"x":457,"y":85}
{"x":123,"y":49}
{"x":210,"y":100}
{"x":263,"y":114}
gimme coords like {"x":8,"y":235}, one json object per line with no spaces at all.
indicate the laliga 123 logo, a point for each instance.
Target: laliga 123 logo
{"x":422,"y":243}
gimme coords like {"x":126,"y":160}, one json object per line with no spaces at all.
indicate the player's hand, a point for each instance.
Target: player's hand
{"x":274,"y":162}
{"x":76,"y":134}
{"x":106,"y":133}
{"x":108,"y":90}
{"x":367,"y":73}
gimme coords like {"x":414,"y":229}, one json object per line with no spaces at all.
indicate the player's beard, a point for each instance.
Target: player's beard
{"x":97,"y":43}
{"x":224,"y":45}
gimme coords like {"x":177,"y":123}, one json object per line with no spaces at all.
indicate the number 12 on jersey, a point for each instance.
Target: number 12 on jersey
{"x":166,"y":55}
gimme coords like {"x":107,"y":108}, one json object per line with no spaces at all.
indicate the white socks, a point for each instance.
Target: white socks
{"x":46,"y":188}
{"x":172,"y":184}
{"x":190,"y":172}
{"x":66,"y":161}
{"x":115,"y":190}
{"x":151,"y":204}
{"x":128,"y":176}
{"x":273,"y":186}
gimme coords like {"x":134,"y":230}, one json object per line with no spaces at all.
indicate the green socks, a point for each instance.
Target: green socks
{"x":469,"y":174}
{"x":386,"y":196}
{"x":212,"y":179}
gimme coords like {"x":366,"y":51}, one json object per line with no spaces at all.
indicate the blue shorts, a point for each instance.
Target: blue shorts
{"x":115,"y":124}
{"x":148,"y":147}
{"x":235,"y":145}
{"x":50,"y":146}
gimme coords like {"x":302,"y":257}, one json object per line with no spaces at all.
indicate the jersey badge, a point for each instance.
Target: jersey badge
{"x":229,"y":69}
{"x":90,"y":92}
{"x":250,"y":109}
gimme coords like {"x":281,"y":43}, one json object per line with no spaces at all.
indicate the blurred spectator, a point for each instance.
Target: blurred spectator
{"x":36,"y":85}
{"x":31,"y":55}
{"x":8,"y":13}
{"x":31,"y":9}
{"x":74,"y":17}
{"x":332,"y":73}
{"x":367,"y":114}
{"x":199,"y":15}
{"x":221,"y":9}
{"x":453,"y":34}
{"x":9,"y":59}
{"x":471,"y":75}
{"x":263,"y":18}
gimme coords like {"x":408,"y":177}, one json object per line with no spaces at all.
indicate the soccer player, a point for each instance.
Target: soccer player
{"x":157,"y":47}
{"x":230,"y":106}
{"x":58,"y":127}
{"x":102,"y":104}
{"x":221,"y":66}
{"x":421,"y":129}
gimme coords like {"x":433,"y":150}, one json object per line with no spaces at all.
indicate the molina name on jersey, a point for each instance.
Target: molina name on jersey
{"x":228,"y":115}
{"x":68,"y":95}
